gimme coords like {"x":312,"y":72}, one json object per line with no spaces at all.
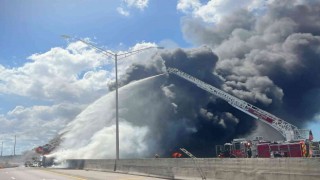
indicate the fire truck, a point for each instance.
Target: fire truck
{"x":48,"y":148}
{"x":242,"y":148}
{"x":238,"y":148}
{"x":296,"y":143}
{"x":283,"y":149}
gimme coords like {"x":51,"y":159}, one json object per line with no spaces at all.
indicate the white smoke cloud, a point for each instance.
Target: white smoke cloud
{"x":102,"y":144}
{"x":92,"y":133}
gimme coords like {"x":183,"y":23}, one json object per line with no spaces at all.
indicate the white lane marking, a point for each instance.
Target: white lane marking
{"x":13,"y":178}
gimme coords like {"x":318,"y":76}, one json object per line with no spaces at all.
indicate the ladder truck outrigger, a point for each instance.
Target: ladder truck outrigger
{"x":296,"y":144}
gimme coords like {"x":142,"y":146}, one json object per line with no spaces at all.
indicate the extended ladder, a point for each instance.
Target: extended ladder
{"x":288,"y":130}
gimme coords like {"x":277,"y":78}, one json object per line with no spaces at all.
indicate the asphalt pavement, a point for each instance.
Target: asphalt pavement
{"x":25,"y":173}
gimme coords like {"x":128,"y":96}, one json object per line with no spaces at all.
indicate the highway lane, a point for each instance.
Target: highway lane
{"x":22,"y":173}
{"x":30,"y":174}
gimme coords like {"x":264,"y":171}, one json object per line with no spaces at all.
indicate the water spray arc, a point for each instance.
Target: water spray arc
{"x":115,"y":56}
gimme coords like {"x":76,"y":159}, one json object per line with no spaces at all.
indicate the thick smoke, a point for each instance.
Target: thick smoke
{"x":158,"y":114}
{"x":196,"y":120}
{"x":270,"y":60}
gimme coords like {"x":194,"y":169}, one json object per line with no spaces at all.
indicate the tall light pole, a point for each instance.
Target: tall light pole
{"x":116,"y":57}
{"x":1,"y":148}
{"x":14,"y":146}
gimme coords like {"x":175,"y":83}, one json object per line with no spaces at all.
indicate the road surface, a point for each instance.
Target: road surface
{"x":22,"y":173}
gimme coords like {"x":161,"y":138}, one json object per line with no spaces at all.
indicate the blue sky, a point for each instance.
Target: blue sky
{"x":35,"y":26}
{"x":30,"y":41}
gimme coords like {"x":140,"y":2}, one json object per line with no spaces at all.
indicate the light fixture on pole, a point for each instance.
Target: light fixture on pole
{"x":116,"y":57}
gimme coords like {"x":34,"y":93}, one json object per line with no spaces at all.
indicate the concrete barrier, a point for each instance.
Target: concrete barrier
{"x":8,"y":165}
{"x":212,"y":168}
{"x":10,"y":161}
{"x":100,"y":165}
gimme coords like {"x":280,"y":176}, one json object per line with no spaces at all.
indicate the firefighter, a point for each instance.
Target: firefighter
{"x":249,"y":152}
{"x":226,"y":153}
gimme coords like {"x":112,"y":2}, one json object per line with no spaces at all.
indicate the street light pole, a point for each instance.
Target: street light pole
{"x":115,"y":56}
{"x":117,"y":108}
{"x":14,"y":146}
{"x":1,"y":148}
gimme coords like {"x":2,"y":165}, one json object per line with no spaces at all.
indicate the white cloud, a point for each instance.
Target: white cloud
{"x":188,"y":5}
{"x":123,"y":12}
{"x":140,"y":4}
{"x":56,"y":75}
{"x":66,"y":74}
{"x":214,"y":10}
{"x":74,"y":74}
{"x":66,"y":79}
{"x":35,"y":125}
{"x":129,"y":4}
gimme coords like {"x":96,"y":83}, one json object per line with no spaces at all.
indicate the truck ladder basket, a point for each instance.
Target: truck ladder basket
{"x":194,"y":161}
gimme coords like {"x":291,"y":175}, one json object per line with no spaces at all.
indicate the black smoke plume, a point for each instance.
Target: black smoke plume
{"x":194,"y":118}
{"x":270,"y":60}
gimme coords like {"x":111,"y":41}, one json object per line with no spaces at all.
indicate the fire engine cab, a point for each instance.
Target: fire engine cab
{"x":238,"y":148}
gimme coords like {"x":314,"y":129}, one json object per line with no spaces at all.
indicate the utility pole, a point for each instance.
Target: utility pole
{"x":1,"y":148}
{"x":117,"y":108}
{"x":14,"y":146}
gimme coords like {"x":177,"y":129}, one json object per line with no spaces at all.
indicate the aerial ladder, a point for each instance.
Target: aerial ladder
{"x":287,"y":130}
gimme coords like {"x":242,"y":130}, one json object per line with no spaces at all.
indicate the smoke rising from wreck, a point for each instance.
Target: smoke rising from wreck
{"x":269,"y":60}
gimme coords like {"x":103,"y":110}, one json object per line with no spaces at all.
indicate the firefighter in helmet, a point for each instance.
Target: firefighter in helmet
{"x":249,"y":152}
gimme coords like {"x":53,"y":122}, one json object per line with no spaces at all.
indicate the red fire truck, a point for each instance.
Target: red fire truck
{"x":238,"y":148}
{"x":283,"y":149}
{"x":242,"y":148}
